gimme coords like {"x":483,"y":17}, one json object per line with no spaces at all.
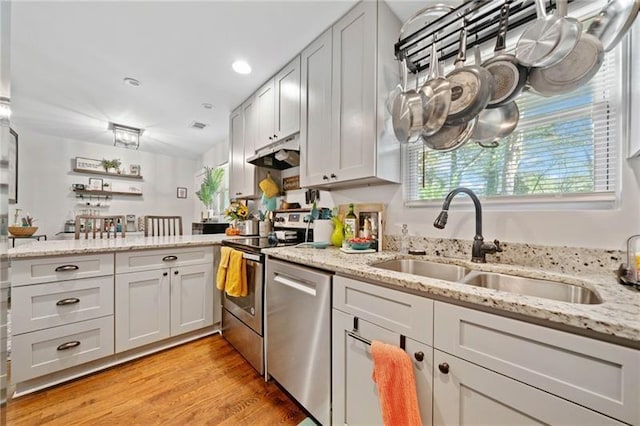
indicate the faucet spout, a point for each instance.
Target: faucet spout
{"x":479,"y":248}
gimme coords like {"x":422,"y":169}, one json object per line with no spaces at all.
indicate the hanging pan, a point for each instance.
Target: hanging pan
{"x":495,"y":123}
{"x":437,"y":90}
{"x":548,"y":39}
{"x":509,"y":75}
{"x":613,"y":22}
{"x":471,"y":87}
{"x":575,"y":70}
{"x":408,"y":114}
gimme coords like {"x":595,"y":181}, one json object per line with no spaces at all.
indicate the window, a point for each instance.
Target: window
{"x":565,"y":148}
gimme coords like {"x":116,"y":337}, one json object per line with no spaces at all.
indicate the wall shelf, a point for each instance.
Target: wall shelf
{"x":96,"y":172}
{"x":89,"y":192}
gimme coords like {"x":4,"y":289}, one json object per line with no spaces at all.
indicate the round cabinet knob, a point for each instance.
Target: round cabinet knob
{"x":270,"y":138}
{"x":164,"y":274}
{"x":333,"y":176}
{"x":325,"y":177}
{"x":275,"y":136}
{"x":175,"y":272}
{"x":444,"y":368}
{"x":419,"y":356}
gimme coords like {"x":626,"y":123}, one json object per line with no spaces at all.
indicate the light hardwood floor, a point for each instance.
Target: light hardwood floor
{"x":202,"y":382}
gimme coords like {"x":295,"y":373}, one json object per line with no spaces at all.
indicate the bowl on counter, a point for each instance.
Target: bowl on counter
{"x":359,"y":244}
{"x":22,"y":231}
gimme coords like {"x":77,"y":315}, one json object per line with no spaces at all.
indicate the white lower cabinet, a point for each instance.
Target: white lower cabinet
{"x":46,"y":351}
{"x":355,"y":396}
{"x":479,"y":368}
{"x":154,"y":305}
{"x":467,"y":394}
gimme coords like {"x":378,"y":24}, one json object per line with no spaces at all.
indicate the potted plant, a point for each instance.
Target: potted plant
{"x":211,"y":180}
{"x":110,"y":166}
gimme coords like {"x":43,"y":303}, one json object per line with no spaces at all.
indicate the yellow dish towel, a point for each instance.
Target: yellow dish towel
{"x":221,"y":277}
{"x":232,"y":273}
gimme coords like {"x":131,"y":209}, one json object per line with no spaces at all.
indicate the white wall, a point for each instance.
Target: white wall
{"x":214,"y":157}
{"x":45,"y":179}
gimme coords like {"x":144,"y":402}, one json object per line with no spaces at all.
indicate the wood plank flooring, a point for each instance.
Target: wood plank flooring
{"x":202,"y":382}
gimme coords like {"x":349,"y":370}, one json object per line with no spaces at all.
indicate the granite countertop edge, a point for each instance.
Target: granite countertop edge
{"x":74,"y":247}
{"x":618,"y":316}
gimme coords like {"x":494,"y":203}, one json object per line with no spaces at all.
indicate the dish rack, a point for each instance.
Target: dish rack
{"x":482,"y":19}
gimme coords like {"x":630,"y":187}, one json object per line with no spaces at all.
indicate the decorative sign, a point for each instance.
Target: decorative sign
{"x":290,"y":183}
{"x":89,"y":164}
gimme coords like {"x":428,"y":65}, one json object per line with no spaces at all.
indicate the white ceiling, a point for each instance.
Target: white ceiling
{"x":68,"y":60}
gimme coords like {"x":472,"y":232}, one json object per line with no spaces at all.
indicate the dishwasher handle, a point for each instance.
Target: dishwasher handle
{"x":295,"y":284}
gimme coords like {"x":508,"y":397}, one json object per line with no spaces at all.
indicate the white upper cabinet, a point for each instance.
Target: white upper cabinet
{"x":362,"y":72}
{"x":278,"y":106}
{"x":242,"y":136}
{"x":287,"y":98}
{"x":315,"y":134}
{"x":265,"y":99}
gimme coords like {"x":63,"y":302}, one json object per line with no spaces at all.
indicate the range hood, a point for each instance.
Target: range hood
{"x":279,"y":155}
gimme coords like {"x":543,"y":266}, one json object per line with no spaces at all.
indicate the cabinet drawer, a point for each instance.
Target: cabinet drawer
{"x":147,"y":260}
{"x":43,"y":352}
{"x":59,"y":268}
{"x":404,"y":313}
{"x":596,"y":374}
{"x":53,"y":304}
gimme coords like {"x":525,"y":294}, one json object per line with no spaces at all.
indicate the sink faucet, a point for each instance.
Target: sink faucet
{"x":480,"y":248}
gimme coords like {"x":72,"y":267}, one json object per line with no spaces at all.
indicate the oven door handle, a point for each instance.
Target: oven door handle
{"x":250,"y":256}
{"x":296,"y":285}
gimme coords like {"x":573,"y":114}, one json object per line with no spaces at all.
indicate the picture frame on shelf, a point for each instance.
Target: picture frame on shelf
{"x":134,"y":169}
{"x":89,"y":164}
{"x":13,"y":167}
{"x":181,"y":192}
{"x":95,"y":184}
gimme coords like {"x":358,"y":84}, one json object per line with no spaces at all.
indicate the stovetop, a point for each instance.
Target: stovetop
{"x":255,"y":244}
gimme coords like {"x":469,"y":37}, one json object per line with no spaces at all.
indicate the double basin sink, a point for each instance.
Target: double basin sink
{"x":545,"y":289}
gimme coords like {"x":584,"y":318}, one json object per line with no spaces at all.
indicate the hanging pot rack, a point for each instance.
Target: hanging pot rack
{"x":481,"y":18}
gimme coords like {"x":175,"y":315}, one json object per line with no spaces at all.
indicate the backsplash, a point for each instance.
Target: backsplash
{"x":560,"y":259}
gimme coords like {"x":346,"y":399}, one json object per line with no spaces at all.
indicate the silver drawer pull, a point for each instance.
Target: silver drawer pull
{"x":169,"y":258}
{"x":69,"y":301}
{"x":65,"y":268}
{"x":68,"y":345}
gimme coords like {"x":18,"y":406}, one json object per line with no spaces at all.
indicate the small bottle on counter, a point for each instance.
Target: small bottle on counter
{"x":404,"y":239}
{"x":350,"y":224}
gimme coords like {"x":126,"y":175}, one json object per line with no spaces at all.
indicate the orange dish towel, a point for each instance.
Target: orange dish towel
{"x":393,"y":374}
{"x":232,"y":273}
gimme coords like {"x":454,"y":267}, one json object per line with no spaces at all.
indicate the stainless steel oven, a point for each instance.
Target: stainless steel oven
{"x":248,"y":309}
{"x":243,"y":317}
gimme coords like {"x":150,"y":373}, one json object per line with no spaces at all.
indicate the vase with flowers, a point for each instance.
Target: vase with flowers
{"x":235,"y":212}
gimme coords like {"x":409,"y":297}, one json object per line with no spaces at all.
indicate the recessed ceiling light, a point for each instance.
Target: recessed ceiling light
{"x":241,"y":67}
{"x":207,"y":105}
{"x":132,"y":82}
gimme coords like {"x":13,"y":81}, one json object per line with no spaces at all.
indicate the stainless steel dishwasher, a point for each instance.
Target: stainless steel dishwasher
{"x":298,"y":334}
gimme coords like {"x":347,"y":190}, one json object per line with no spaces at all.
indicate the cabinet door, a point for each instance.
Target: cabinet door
{"x":265,"y":100}
{"x":354,"y":93}
{"x":191,"y":298}
{"x":250,"y":128}
{"x":236,"y":153}
{"x":355,"y":396}
{"x":315,"y":128}
{"x":287,"y":98}
{"x":142,"y":308}
{"x":468,"y":394}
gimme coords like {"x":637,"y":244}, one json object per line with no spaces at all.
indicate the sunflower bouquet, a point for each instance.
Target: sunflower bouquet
{"x":237,"y":211}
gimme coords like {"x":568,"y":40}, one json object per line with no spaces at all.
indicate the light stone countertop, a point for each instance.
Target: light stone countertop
{"x":71,"y":247}
{"x":617,"y":318}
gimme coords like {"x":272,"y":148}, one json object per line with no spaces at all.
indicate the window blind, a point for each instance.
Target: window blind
{"x":564,"y":145}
